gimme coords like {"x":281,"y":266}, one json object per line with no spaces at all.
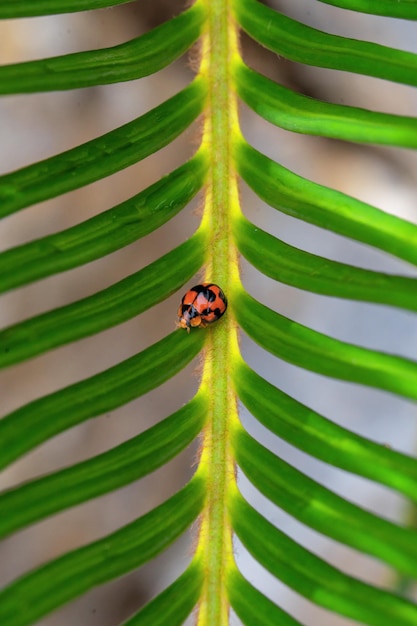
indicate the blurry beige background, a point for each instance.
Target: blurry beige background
{"x":35,"y":127}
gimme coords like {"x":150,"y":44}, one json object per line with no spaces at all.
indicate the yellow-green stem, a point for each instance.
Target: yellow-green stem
{"x":219,"y":47}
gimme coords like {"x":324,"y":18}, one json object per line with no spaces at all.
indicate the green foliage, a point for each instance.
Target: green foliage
{"x":103,"y":156}
{"x":108,"y":471}
{"x":77,"y":571}
{"x":136,"y":58}
{"x":106,"y":232}
{"x":212,"y":582}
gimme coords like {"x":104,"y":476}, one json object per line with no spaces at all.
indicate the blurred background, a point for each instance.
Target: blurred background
{"x":38,"y":126}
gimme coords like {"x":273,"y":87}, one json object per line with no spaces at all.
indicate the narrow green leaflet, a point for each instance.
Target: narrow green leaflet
{"x":323,"y":510}
{"x":52,"y":414}
{"x":301,"y":43}
{"x":175,"y":603}
{"x":106,"y":155}
{"x":253,"y":608}
{"x":111,"y":470}
{"x":105,"y":309}
{"x":109,"y":231}
{"x":57,"y":582}
{"x":307,"y":271}
{"x":301,"y":114}
{"x":307,"y":430}
{"x":324,"y":207}
{"x":406,"y":9}
{"x":32,"y":8}
{"x":314,"y":578}
{"x":136,"y":58}
{"x":314,"y":351}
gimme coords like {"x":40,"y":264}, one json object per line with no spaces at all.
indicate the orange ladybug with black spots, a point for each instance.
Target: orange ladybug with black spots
{"x":202,"y":305}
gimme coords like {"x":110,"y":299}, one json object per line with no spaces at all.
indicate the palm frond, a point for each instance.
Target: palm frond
{"x":212,"y":500}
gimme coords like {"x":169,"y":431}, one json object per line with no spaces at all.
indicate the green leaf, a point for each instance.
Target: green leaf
{"x":253,"y":608}
{"x":320,"y":437}
{"x":301,"y":114}
{"x":136,"y":58}
{"x":109,"y":231}
{"x":304,"y":270}
{"x":212,"y":582}
{"x":111,"y":470}
{"x":107,"y":308}
{"x":106,"y":155}
{"x":57,"y":582}
{"x":324,"y":207}
{"x":31,"y":8}
{"x":52,"y":414}
{"x":319,"y":353}
{"x":323,"y":510}
{"x":312,"y":577}
{"x":406,"y":9}
{"x":173,"y":605}
{"x":301,"y":43}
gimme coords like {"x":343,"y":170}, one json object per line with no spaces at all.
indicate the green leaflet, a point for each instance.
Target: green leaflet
{"x":111,"y":470}
{"x":314,"y":578}
{"x":109,"y":231}
{"x":301,"y":114}
{"x":107,"y":308}
{"x":304,"y":44}
{"x":319,"y":353}
{"x":57,"y":582}
{"x":324,"y":207}
{"x":52,"y":414}
{"x":136,"y":58}
{"x":175,"y":603}
{"x":106,"y":155}
{"x":31,"y":8}
{"x":318,"y":436}
{"x":323,"y":510}
{"x":253,"y":608}
{"x":304,"y":270}
{"x":407,"y":9}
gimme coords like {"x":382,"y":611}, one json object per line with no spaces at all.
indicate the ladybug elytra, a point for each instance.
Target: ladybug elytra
{"x":201,"y":305}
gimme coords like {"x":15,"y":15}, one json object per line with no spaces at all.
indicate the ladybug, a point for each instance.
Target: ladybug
{"x":201,"y":305}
